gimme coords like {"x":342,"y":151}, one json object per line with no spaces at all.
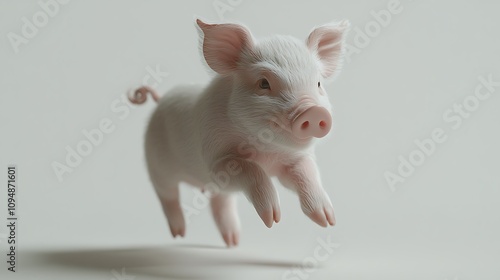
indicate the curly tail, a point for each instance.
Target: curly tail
{"x":140,"y":95}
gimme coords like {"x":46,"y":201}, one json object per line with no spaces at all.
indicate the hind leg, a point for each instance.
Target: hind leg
{"x":168,"y":193}
{"x":225,"y":214}
{"x":173,"y":211}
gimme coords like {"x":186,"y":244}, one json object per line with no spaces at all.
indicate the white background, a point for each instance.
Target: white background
{"x":441,"y":223}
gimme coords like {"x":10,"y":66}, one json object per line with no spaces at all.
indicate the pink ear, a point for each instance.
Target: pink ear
{"x":327,"y":42}
{"x":223,"y":45}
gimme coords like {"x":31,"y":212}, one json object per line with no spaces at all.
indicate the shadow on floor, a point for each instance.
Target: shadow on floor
{"x":179,"y":261}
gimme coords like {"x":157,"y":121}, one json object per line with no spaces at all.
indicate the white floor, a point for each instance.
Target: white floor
{"x":211,"y":262}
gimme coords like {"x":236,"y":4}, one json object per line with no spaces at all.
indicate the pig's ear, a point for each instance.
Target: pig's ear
{"x":328,"y":43}
{"x":222,"y":45}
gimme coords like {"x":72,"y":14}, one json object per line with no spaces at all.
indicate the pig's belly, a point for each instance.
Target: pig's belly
{"x":198,"y":175}
{"x":272,"y":163}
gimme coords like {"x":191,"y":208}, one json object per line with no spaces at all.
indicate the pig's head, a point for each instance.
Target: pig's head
{"x":278,"y":94}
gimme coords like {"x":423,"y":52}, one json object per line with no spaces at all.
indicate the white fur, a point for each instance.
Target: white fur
{"x":197,"y":134}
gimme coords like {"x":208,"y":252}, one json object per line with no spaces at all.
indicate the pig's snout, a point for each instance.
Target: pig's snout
{"x":315,"y":121}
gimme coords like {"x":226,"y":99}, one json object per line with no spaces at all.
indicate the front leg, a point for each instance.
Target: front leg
{"x":253,"y":181}
{"x":303,"y":177}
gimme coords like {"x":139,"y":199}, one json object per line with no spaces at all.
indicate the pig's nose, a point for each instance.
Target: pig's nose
{"x":313,"y":122}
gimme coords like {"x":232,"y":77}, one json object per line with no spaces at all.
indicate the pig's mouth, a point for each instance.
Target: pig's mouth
{"x":280,"y":126}
{"x":277,"y":125}
{"x":282,"y":122}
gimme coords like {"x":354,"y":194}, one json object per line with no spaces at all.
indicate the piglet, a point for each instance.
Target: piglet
{"x":259,"y":117}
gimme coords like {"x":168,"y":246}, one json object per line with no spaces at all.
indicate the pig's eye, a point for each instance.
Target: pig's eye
{"x":264,"y":84}
{"x":319,"y":84}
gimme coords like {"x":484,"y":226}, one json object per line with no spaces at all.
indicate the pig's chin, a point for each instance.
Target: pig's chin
{"x":298,"y":143}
